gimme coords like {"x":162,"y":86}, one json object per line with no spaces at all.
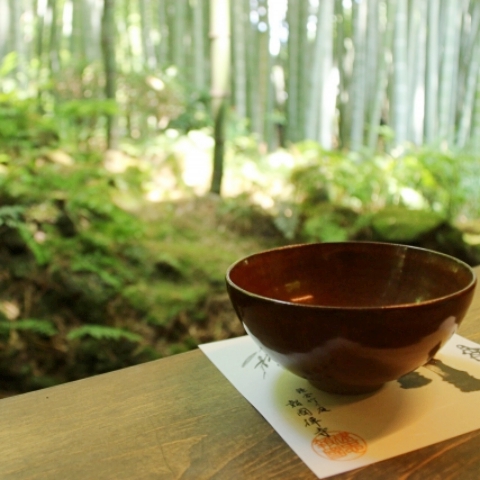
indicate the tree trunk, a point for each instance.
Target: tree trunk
{"x":465,"y":121}
{"x":199,"y":73}
{"x":150,"y":59}
{"x":79,"y":36}
{"x":267,"y":96}
{"x":303,"y":65}
{"x":180,"y":30}
{"x":220,"y":64}
{"x":416,"y":74}
{"x":239,"y":26}
{"x":4,"y":24}
{"x":373,"y":47}
{"x":475,"y":135}
{"x":379,"y":98}
{"x":432,"y":72}
{"x":39,"y":12}
{"x":357,"y":91}
{"x":400,"y":74}
{"x":110,"y":67}
{"x":219,"y":149}
{"x":93,"y":16}
{"x":253,"y":95}
{"x":54,"y":40}
{"x":340,"y":58}
{"x":448,"y":72}
{"x":16,"y":39}
{"x":320,"y":110}
{"x":262,"y":108}
{"x":293,"y":73}
{"x":162,"y":48}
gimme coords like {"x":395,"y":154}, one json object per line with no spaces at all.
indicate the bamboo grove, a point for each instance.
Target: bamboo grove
{"x":350,"y":74}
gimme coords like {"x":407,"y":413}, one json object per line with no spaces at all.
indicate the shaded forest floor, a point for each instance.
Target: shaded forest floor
{"x":213,"y":233}
{"x":181,"y":301}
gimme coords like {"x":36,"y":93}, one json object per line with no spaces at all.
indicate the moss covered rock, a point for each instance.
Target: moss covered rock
{"x":399,"y":224}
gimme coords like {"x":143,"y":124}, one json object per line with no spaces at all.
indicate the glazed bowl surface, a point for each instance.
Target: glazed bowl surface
{"x":350,"y":316}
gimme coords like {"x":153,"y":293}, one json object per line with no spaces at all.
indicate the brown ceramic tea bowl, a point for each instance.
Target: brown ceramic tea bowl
{"x":350,"y":316}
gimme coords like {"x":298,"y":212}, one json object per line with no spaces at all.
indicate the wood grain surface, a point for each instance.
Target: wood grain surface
{"x":179,"y":418}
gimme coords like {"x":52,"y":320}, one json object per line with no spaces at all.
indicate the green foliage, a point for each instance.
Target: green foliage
{"x":102,"y":332}
{"x":327,"y":226}
{"x":74,"y":200}
{"x":287,"y":219}
{"x":419,"y":179}
{"x":33,"y":325}
{"x":196,"y":114}
{"x":341,"y":179}
{"x":341,"y":196}
{"x":8,"y":65}
{"x":84,"y":108}
{"x":22,"y":126}
{"x":109,"y":270}
{"x":398,"y":224}
{"x":11,"y":215}
{"x":162,"y":303}
{"x":152,"y":103}
{"x":84,"y":118}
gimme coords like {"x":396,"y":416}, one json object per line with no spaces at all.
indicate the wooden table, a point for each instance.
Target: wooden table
{"x":179,"y":418}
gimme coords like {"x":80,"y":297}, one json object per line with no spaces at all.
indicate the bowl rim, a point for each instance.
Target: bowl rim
{"x":470,"y":286}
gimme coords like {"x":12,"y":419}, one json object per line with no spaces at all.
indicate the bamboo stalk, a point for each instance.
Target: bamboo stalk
{"x":448,"y":72}
{"x":108,"y":48}
{"x":319,"y":109}
{"x":149,"y":58}
{"x":220,"y":78}
{"x":432,"y":72}
{"x":384,"y":61}
{"x":239,"y":59}
{"x":199,"y":61}
{"x":465,"y":122}
{"x":340,"y":59}
{"x":293,"y":18}
{"x":357,"y":90}
{"x":400,"y":74}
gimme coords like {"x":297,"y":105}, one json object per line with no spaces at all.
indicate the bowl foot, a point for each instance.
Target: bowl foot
{"x":341,"y":389}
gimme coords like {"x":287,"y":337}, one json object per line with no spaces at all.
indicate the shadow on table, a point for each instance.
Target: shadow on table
{"x":375,"y":415}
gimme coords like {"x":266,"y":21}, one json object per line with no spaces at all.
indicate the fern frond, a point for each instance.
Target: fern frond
{"x":101,"y":332}
{"x":11,"y":215}
{"x":35,"y":325}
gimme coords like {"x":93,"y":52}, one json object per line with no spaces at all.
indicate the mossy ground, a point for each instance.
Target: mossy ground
{"x":166,"y":293}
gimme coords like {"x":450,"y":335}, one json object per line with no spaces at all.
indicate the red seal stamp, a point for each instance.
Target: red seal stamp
{"x":341,"y":446}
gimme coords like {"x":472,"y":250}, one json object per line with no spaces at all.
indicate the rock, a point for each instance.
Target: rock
{"x":401,"y":225}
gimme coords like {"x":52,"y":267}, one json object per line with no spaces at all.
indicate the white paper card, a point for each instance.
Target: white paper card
{"x":334,"y":433}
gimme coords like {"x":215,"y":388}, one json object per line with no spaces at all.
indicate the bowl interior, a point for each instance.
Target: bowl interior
{"x":351,"y":274}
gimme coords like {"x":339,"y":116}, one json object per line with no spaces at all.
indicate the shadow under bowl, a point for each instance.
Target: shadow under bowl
{"x":350,"y":316}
